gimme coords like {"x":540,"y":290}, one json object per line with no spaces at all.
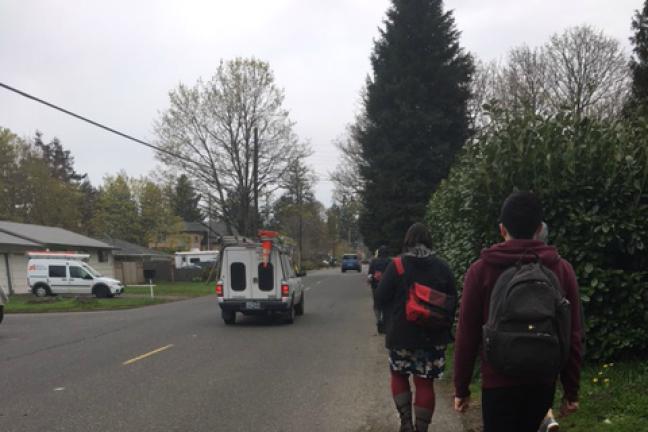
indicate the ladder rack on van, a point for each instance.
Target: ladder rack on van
{"x":71,"y":255}
{"x":235,"y":240}
{"x":277,"y":240}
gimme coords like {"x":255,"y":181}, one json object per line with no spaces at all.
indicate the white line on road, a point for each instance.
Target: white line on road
{"x":148,"y":354}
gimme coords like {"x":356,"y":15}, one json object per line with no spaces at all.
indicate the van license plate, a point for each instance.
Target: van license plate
{"x":252,"y":305}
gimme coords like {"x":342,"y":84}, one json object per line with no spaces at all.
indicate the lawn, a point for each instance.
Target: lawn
{"x":613,"y":398}
{"x":133,"y":297}
{"x":29,"y":304}
{"x":179,"y":289}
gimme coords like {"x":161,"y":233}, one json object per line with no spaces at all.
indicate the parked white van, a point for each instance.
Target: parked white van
{"x":52,"y":273}
{"x":259,"y":278}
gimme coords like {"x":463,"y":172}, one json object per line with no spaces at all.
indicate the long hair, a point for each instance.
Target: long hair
{"x":417,"y":234}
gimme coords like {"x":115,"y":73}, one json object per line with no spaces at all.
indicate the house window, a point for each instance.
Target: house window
{"x":102,"y":255}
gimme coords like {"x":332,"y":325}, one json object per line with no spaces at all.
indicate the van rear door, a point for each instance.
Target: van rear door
{"x":238,"y":273}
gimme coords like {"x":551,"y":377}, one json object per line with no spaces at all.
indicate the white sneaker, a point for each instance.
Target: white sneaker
{"x":549,"y":425}
{"x":553,"y":425}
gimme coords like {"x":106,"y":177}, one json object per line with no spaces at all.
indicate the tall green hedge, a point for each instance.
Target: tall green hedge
{"x":592,"y":178}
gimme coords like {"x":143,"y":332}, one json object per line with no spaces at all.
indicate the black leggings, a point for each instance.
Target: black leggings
{"x":516,"y":409}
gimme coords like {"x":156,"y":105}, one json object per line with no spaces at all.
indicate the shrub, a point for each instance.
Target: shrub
{"x":591,"y":177}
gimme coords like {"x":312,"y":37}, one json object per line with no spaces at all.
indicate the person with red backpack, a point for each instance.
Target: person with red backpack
{"x":377,"y":268}
{"x":520,"y":309}
{"x":418,"y":296}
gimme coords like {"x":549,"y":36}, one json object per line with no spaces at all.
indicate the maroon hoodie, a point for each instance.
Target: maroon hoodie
{"x":473,"y":314}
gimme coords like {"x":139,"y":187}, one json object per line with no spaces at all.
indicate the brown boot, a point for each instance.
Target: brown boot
{"x":423,"y":418}
{"x":404,"y":407}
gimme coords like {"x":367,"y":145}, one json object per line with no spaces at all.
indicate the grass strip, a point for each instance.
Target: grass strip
{"x":28,"y":304}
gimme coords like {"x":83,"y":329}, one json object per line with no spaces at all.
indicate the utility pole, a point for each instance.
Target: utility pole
{"x":255,"y":168}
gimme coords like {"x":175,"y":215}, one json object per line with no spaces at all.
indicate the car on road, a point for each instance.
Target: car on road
{"x":351,"y":262}
{"x":67,"y":273}
{"x":258,"y":278}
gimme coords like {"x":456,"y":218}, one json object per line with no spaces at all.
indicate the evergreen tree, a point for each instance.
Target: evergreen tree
{"x":59,"y":160}
{"x":639,"y":62}
{"x":89,"y":207}
{"x":415,"y":116}
{"x":185,"y":200}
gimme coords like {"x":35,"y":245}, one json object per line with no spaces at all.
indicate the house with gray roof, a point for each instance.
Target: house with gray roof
{"x":195,"y":236}
{"x":17,"y":238}
{"x":135,"y":264}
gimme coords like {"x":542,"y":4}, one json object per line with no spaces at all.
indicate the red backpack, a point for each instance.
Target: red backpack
{"x":426,"y":306}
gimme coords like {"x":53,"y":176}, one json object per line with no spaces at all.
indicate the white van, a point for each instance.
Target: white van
{"x":249,"y":286}
{"x":52,"y":274}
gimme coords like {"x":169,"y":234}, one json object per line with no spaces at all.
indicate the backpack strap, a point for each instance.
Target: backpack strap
{"x":398,"y":263}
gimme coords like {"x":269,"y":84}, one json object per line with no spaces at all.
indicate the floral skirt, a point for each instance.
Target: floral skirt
{"x":423,"y":363}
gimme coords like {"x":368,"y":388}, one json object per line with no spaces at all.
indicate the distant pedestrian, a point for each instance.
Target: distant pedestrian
{"x":539,"y":337}
{"x":418,"y":296}
{"x":377,"y":268}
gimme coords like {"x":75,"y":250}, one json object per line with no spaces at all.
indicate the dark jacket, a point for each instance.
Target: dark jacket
{"x":473,"y":314}
{"x":378,"y":264}
{"x":391,"y":296}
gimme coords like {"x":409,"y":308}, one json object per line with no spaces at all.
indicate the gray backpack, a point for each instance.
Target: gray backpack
{"x":529,"y":323}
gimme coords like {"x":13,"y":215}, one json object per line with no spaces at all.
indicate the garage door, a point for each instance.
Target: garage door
{"x":18,"y":266}
{"x":4,"y":281}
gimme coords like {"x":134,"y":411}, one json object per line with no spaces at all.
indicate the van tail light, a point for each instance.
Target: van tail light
{"x":219,"y":289}
{"x":285,"y":290}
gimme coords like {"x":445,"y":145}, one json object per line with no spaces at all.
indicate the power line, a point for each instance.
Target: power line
{"x":94,"y":123}
{"x":109,"y":129}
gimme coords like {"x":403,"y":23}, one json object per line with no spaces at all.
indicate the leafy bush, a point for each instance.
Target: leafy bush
{"x":591,"y":177}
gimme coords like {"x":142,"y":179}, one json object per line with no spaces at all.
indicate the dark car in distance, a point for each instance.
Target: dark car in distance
{"x":351,"y":262}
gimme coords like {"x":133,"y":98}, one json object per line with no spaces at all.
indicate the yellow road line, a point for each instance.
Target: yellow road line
{"x":148,"y":354}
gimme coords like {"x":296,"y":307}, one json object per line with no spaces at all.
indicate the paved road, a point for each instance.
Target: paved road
{"x":326,"y":372}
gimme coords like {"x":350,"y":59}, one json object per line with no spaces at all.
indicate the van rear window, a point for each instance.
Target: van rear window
{"x":266,"y":277}
{"x":237,"y":276}
{"x":350,"y":257}
{"x":57,"y":271}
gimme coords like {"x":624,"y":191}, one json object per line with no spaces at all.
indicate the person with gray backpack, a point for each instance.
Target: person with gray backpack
{"x":520,"y":309}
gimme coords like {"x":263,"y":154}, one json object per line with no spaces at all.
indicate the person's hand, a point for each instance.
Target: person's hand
{"x":568,"y":407}
{"x":461,"y":405}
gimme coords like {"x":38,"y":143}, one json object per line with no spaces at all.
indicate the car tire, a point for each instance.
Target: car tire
{"x":101,"y":291}
{"x":41,"y":290}
{"x":299,"y":309}
{"x":289,"y":315}
{"x":229,"y":317}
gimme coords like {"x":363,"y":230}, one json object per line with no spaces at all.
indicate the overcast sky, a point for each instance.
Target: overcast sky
{"x":115,"y":61}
